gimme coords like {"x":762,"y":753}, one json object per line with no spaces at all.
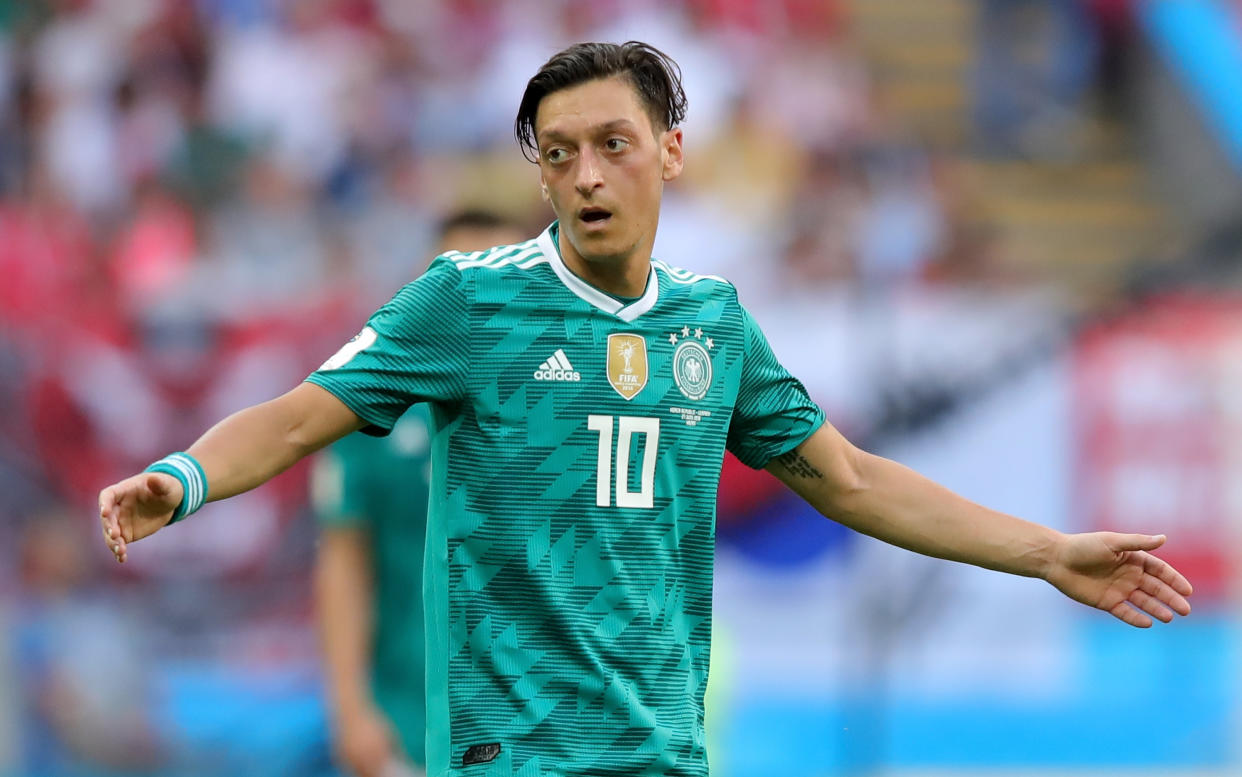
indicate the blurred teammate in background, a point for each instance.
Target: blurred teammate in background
{"x":583,"y":395}
{"x":370,"y":496}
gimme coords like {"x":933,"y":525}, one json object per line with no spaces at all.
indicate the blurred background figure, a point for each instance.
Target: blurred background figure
{"x":999,"y":239}
{"x":1036,"y":64}
{"x":87,"y":702}
{"x":370,"y":497}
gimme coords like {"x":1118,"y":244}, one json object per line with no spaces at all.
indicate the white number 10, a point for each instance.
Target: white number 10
{"x":626,"y":425}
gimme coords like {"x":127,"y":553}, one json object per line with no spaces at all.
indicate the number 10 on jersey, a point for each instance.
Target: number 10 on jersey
{"x":625,"y":427}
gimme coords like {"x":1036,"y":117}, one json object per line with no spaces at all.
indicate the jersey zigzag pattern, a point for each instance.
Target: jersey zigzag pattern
{"x":576,"y":454}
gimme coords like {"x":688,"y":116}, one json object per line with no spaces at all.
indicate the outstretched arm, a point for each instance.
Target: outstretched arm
{"x":881,"y":498}
{"x":241,"y":452}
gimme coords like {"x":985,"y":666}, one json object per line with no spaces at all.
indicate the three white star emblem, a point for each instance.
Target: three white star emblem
{"x":698,"y":333}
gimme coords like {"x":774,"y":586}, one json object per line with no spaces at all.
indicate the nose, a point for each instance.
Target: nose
{"x":589,"y":176}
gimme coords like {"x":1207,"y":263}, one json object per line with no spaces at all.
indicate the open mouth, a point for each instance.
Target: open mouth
{"x":594,"y":215}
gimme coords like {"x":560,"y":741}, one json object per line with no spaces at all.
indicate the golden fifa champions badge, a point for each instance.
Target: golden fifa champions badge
{"x":627,"y":364}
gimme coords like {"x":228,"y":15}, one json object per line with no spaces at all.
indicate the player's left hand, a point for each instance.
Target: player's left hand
{"x":1116,"y":573}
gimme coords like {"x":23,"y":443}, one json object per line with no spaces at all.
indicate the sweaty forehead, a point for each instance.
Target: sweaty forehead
{"x":597,"y":105}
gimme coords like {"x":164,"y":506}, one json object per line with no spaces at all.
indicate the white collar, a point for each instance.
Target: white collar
{"x":626,"y":311}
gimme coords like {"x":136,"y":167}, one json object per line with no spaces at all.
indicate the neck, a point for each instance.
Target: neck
{"x":620,"y":276}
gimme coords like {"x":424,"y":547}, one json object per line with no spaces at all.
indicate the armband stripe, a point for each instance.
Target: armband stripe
{"x":186,"y":469}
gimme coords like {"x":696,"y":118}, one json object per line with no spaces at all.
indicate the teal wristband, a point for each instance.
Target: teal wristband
{"x":186,"y":469}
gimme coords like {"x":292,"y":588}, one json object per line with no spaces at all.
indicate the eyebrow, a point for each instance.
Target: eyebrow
{"x":608,"y":126}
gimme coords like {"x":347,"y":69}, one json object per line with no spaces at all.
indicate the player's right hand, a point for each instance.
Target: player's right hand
{"x":365,"y":743}
{"x":137,"y":507}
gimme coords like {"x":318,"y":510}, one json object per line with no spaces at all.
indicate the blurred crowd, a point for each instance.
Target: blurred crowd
{"x":199,"y":200}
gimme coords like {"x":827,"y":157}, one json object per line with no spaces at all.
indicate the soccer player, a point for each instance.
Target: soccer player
{"x":583,"y":395}
{"x":370,"y":496}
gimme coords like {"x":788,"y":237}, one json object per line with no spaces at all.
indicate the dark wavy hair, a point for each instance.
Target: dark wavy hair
{"x":654,"y":74}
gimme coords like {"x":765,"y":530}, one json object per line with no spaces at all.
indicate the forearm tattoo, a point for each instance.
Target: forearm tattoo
{"x":796,"y":464}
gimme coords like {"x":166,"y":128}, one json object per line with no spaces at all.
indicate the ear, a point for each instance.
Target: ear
{"x":543,"y":189}
{"x":671,"y":155}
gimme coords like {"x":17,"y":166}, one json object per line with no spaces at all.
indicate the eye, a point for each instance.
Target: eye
{"x":616,"y":144}
{"x":556,"y":155}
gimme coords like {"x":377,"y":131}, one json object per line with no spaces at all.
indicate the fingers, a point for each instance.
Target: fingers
{"x":1151,"y":605}
{"x":1138,"y":541}
{"x":1164,"y":571}
{"x":109,"y":518}
{"x":115,"y":545}
{"x":1124,"y":612}
{"x":107,"y":501}
{"x":1162,"y":591}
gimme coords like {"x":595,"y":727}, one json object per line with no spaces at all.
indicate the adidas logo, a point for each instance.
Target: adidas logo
{"x":557,"y":367}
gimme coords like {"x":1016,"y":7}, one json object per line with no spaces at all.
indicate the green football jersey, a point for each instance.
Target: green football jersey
{"x":380,"y":486}
{"x":576,"y":453}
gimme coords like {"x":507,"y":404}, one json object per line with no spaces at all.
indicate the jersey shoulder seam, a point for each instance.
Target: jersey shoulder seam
{"x":521,"y":256}
{"x":686,"y":277}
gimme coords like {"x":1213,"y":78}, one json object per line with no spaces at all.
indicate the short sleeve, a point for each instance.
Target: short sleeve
{"x":414,"y":349}
{"x":338,"y":484}
{"x":773,"y":414}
